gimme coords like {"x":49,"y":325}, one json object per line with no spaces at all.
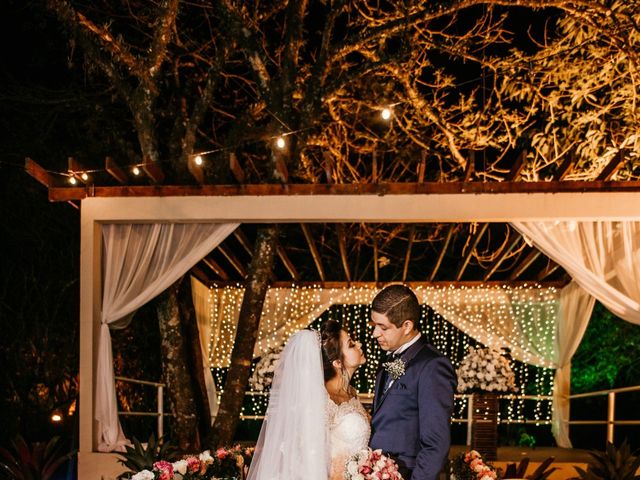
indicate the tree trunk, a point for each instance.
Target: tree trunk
{"x":246,"y":335}
{"x":176,"y":371}
{"x":194,"y":357}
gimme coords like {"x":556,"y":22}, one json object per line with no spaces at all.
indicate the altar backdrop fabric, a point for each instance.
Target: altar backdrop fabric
{"x":541,"y":326}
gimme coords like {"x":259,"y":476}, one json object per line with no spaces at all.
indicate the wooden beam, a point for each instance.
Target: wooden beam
{"x":374,"y":167}
{"x":526,"y":263}
{"x":314,"y":250}
{"x":407,"y":257}
{"x":565,"y":167}
{"x":474,"y":243}
{"x":39,"y":173}
{"x":442,"y":252}
{"x":235,"y":263}
{"x":548,"y":270}
{"x":63,"y":194}
{"x":514,"y":238}
{"x":471,"y":163}
{"x":243,"y":240}
{"x":153,"y":171}
{"x":282,"y":253}
{"x":200,"y":275}
{"x":236,"y":169}
{"x":422,"y":168}
{"x":615,"y":164}
{"x":217,"y":269}
{"x":115,"y":171}
{"x":517,"y":167}
{"x":442,"y":284}
{"x":342,"y":245}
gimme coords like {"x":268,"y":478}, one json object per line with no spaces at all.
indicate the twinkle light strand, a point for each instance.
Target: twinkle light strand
{"x":534,"y":307}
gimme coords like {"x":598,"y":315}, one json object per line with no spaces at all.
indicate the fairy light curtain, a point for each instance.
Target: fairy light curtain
{"x":140,"y":261}
{"x":527,"y":320}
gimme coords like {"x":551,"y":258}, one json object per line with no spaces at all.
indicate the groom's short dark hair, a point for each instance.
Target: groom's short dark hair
{"x":398,"y":303}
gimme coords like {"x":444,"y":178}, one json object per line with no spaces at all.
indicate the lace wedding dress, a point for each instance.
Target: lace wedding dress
{"x":349,"y":432}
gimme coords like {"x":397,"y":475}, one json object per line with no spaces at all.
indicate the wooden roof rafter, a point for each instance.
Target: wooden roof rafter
{"x":443,"y":251}
{"x":314,"y":250}
{"x":472,"y":247}
{"x":531,"y":257}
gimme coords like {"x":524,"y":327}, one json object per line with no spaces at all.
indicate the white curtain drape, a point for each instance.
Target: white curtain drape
{"x":140,"y":261}
{"x":201,"y":304}
{"x":576,"y":306}
{"x":603,"y":257}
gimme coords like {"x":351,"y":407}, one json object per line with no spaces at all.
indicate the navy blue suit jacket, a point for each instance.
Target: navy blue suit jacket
{"x":411,"y":422}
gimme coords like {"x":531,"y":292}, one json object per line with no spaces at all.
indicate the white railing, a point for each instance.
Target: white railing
{"x":160,"y":403}
{"x":367,"y":398}
{"x":611,"y":421}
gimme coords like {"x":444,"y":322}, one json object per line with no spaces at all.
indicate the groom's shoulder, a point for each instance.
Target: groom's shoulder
{"x":428,"y":352}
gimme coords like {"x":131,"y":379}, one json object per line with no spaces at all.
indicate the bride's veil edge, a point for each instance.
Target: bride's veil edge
{"x":293,"y":442}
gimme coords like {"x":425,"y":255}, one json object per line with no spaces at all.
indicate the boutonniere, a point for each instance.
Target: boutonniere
{"x":395,"y":368}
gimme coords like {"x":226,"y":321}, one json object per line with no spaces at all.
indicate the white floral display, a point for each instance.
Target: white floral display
{"x":262,"y":376}
{"x":486,"y":370}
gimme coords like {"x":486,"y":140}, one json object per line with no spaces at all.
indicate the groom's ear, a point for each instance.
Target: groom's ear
{"x":408,"y":326}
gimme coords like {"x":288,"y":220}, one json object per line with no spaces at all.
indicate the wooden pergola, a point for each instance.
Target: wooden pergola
{"x":324,"y":237}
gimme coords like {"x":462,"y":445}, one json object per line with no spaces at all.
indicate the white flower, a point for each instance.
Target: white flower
{"x":180,"y":466}
{"x":206,"y":457}
{"x":143,"y":475}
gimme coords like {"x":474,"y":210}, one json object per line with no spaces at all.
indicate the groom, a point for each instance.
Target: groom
{"x":413,"y":399}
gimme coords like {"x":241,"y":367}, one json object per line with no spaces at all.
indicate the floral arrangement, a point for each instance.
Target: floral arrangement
{"x":484,"y":369}
{"x":470,"y":466}
{"x":370,"y":464}
{"x":262,"y":376}
{"x":224,"y":463}
{"x":395,"y":368}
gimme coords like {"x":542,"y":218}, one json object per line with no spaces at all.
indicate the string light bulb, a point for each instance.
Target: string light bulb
{"x":84,"y":176}
{"x":56,"y":417}
{"x":198,"y":160}
{"x":386,"y":113}
{"x":136,"y":171}
{"x":72,"y":180}
{"x":281,"y":143}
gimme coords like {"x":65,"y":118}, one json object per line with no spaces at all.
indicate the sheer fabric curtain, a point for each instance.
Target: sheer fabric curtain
{"x":576,"y":306}
{"x":140,"y":261}
{"x":602,"y":257}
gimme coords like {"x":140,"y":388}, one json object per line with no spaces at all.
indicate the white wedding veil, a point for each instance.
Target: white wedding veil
{"x":293,"y":442}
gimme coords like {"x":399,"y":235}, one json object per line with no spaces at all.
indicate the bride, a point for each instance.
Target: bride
{"x":314,"y":420}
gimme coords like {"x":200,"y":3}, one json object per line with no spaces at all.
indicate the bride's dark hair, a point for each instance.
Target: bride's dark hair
{"x":331,"y":349}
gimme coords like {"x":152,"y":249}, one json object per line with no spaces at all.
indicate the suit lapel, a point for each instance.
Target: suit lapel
{"x":407,"y":356}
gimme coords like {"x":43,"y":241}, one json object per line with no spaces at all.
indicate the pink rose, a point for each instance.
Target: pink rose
{"x":221,"y":454}
{"x":165,"y":469}
{"x":193,"y":464}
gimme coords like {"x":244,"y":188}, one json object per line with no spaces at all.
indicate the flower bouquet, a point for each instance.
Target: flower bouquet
{"x":484,"y":369}
{"x":224,"y":463}
{"x":370,"y":464}
{"x":262,"y":376}
{"x":470,"y":466}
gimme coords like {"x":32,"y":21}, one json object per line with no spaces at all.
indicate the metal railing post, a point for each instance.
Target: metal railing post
{"x":160,"y":411}
{"x":469,"y":419}
{"x":611,"y":414}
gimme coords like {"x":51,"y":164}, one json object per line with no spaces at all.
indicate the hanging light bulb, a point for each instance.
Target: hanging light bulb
{"x":198,"y":160}
{"x":136,"y":171}
{"x":386,"y":113}
{"x":56,"y":417}
{"x":281,"y":143}
{"x":72,"y":180}
{"x":84,"y":176}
